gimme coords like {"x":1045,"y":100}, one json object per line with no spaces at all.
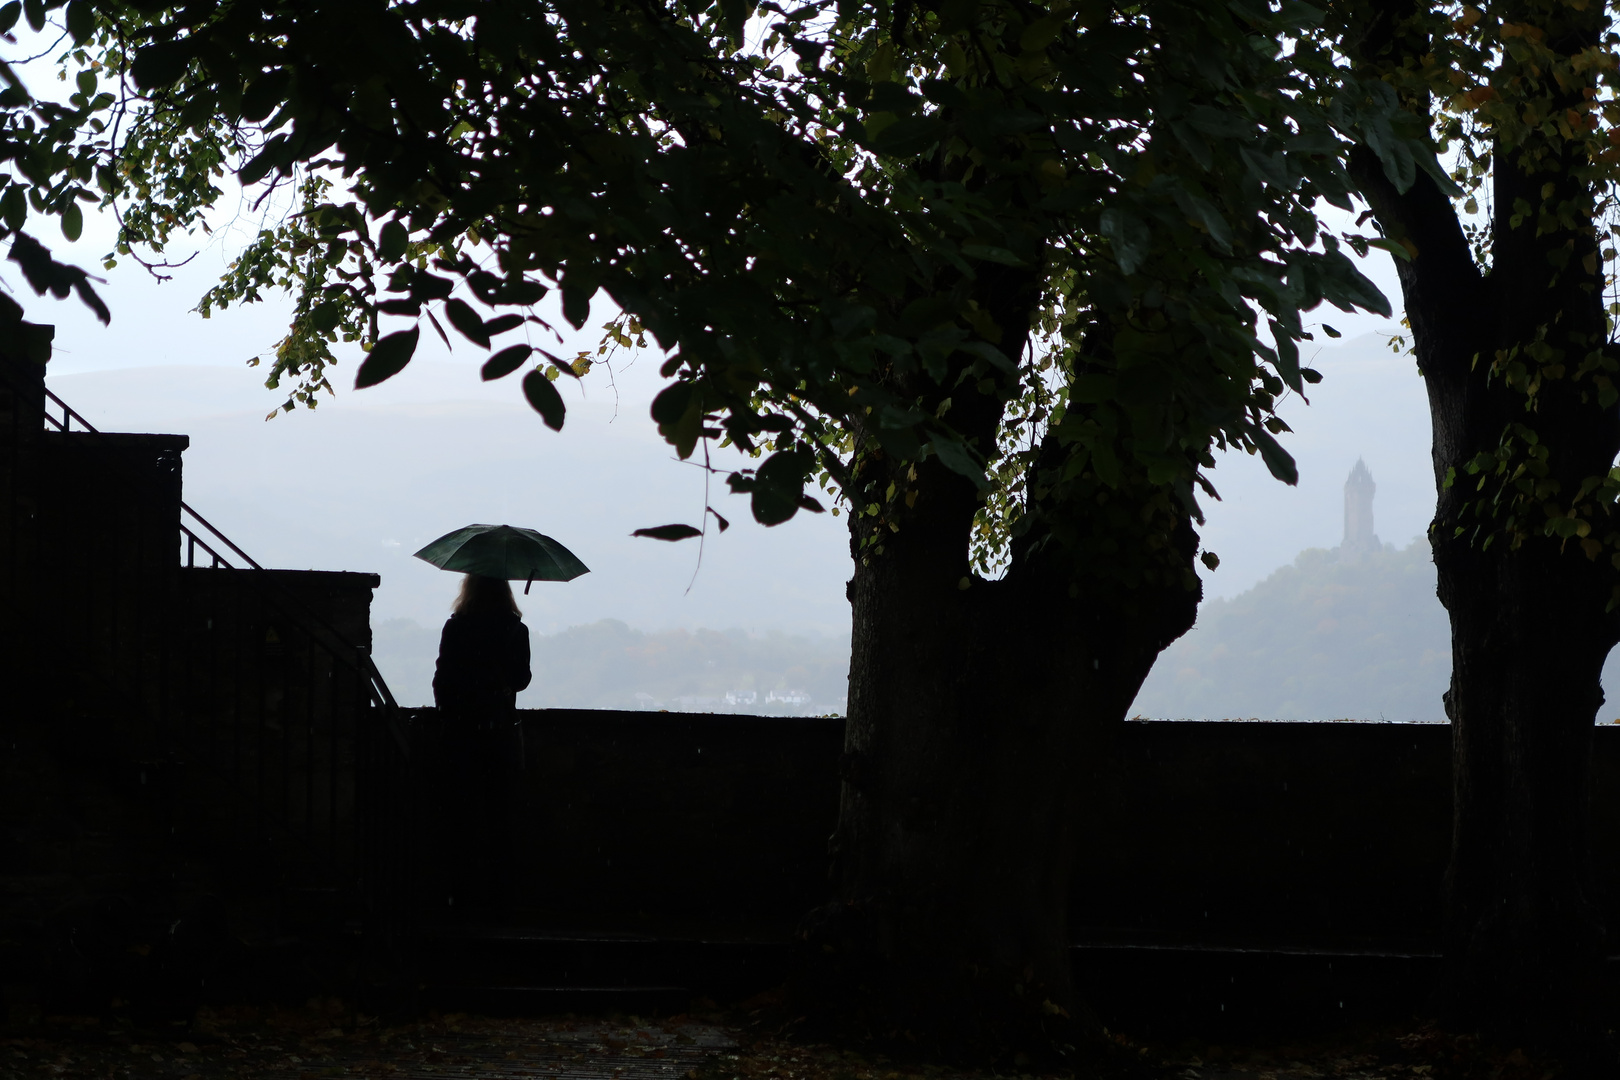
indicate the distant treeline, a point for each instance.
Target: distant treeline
{"x":608,"y":665}
{"x":1321,"y":639}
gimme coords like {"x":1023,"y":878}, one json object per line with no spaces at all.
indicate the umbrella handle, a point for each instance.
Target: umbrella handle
{"x":526,"y":585}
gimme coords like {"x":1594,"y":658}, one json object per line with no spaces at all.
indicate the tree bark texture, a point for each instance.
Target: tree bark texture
{"x":976,"y":709}
{"x":974,"y":716}
{"x":1530,"y":627}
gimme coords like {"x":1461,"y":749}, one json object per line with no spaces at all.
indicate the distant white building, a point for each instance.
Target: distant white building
{"x":787,"y":697}
{"x":741,"y":697}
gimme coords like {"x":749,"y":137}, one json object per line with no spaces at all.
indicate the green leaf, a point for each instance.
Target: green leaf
{"x":1194,"y":143}
{"x":1394,"y":247}
{"x":1347,"y":288}
{"x":1204,"y":212}
{"x":1093,"y":389}
{"x":909,"y":136}
{"x":679,"y":414}
{"x":563,"y":367}
{"x":325,"y":316}
{"x":265,"y":95}
{"x":577,"y":302}
{"x":778,"y":486}
{"x":72,"y":221}
{"x":500,"y":324}
{"x":1040,"y":33}
{"x":430,"y":287}
{"x":986,"y":351}
{"x":992,"y":254}
{"x":1130,"y":239}
{"x":1279,"y":461}
{"x":669,"y":532}
{"x":259,"y":166}
{"x":734,"y":17}
{"x":505,"y":362}
{"x":437,"y":329}
{"x":1270,"y":168}
{"x":387,"y":358}
{"x":465,"y":319}
{"x":1220,"y":123}
{"x":392,"y":241}
{"x":14,"y":206}
{"x":81,"y":21}
{"x":1392,"y":151}
{"x":9,"y":14}
{"x":671,"y":403}
{"x":1287,"y":359}
{"x":955,"y":457}
{"x":161,"y":64}
{"x":544,"y":398}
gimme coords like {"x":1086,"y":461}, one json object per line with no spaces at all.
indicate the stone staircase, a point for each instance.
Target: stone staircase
{"x":187,"y":740}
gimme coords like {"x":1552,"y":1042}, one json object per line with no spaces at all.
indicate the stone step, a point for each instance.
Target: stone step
{"x":1135,"y":987}
{"x":559,"y":961}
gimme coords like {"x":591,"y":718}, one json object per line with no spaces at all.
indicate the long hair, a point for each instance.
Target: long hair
{"x":482,"y":595}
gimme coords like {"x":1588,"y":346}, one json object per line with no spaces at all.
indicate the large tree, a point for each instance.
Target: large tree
{"x":1510,"y":303}
{"x":1000,"y":275}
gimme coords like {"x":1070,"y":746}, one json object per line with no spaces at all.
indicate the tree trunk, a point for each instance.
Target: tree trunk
{"x":973,"y":715}
{"x":1522,"y":936}
{"x":1529,"y":619}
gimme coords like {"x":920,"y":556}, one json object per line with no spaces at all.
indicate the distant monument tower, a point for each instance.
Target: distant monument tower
{"x":1359,"y":538}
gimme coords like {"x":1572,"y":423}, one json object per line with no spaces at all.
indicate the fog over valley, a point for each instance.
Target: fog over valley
{"x":1288,"y":630}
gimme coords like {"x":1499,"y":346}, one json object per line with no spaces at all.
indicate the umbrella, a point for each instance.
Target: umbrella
{"x":502,"y":551}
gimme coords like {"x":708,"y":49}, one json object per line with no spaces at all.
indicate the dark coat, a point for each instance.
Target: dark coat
{"x":483,"y":663}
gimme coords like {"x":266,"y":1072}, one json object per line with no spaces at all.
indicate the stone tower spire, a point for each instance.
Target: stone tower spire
{"x":1359,"y":538}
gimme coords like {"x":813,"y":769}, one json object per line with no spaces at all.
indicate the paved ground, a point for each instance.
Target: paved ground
{"x":324,"y":1040}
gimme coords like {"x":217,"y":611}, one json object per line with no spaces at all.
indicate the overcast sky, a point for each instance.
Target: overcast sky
{"x":370,"y":476}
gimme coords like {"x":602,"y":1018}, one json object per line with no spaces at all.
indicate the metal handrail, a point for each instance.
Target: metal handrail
{"x":185,"y":508}
{"x":385,"y":865}
{"x":380,"y":692}
{"x":70,"y":415}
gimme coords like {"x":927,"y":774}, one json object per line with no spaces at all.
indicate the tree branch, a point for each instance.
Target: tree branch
{"x":1441,"y":285}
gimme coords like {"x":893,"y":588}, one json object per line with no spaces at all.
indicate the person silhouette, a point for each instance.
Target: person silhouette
{"x":483,"y":663}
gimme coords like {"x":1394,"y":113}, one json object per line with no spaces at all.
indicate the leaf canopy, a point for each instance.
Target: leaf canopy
{"x":1055,"y":246}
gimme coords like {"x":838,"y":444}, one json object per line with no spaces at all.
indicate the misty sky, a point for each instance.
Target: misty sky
{"x":370,"y":476}
{"x":340,"y":487}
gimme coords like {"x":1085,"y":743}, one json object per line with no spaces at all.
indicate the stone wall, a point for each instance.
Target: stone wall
{"x":1324,"y":835}
{"x":677,"y":821}
{"x":1311,"y":835}
{"x":105,"y":544}
{"x":269,"y":701}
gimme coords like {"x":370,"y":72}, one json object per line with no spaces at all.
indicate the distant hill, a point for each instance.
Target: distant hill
{"x":608,"y":665}
{"x":1323,"y":639}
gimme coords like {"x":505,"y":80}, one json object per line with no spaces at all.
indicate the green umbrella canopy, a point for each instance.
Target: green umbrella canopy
{"x":502,"y":551}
